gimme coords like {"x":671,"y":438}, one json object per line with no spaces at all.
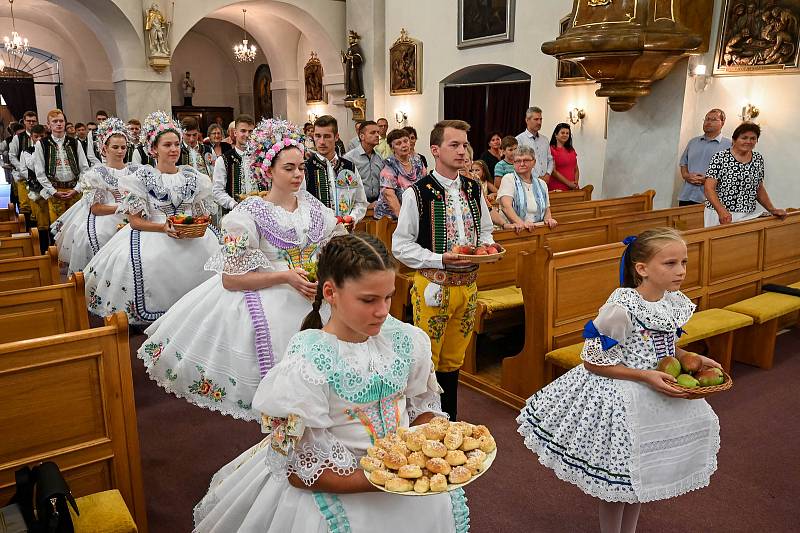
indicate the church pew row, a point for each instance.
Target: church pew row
{"x":21,"y":245}
{"x":572,"y":212}
{"x":584,"y":194}
{"x":27,"y":272}
{"x":43,"y":311}
{"x":8,"y":213}
{"x":69,"y":399}
{"x":10,"y":227}
{"x":563,"y":290}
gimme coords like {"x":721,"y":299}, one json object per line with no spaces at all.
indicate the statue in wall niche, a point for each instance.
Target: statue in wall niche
{"x":353,"y":59}
{"x":187,"y":85}
{"x":157,"y":27}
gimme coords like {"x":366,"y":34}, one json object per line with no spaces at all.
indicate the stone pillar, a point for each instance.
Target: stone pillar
{"x":643,"y":147}
{"x":368,"y":19}
{"x":286,"y":101}
{"x":138,"y":93}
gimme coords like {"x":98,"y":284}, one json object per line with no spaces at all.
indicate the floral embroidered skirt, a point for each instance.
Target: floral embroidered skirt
{"x":144,"y":273}
{"x":620,"y":440}
{"x":214,"y":345}
{"x":65,"y":228}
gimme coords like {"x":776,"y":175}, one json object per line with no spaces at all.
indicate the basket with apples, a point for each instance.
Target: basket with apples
{"x":346,"y":221}
{"x":694,"y":378}
{"x":188,"y":226}
{"x":484,"y":253}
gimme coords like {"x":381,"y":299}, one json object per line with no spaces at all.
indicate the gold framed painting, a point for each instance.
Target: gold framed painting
{"x":758,"y":37}
{"x":312,"y":73}
{"x":405,"y":65}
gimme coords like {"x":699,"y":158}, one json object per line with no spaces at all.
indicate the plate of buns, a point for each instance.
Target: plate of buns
{"x":431,"y":458}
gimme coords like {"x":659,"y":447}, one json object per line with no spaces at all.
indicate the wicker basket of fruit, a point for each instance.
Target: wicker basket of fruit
{"x":694,"y":378}
{"x":347,"y":222}
{"x":485,"y":253}
{"x":189,"y":227}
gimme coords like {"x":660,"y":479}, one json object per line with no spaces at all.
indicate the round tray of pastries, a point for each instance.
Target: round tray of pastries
{"x":431,"y":458}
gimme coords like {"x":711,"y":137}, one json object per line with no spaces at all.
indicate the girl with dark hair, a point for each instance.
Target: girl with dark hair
{"x":217,"y":343}
{"x":339,"y":388}
{"x":614,"y":426}
{"x":565,"y":160}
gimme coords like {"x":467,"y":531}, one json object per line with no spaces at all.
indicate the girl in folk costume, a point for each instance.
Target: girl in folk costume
{"x":338,"y":389}
{"x":217,"y":343}
{"x":146,"y":267}
{"x":89,"y":224}
{"x":614,"y":426}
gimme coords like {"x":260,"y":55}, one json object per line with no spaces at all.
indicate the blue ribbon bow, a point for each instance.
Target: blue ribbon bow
{"x":590,"y":332}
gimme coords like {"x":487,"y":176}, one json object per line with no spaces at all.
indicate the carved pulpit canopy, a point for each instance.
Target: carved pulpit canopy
{"x":626,"y":45}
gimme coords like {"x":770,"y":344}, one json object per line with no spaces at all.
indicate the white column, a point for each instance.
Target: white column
{"x":140,"y":92}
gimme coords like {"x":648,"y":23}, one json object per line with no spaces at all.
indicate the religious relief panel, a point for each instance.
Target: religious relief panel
{"x":313,"y":77}
{"x":405,"y":64}
{"x":759,"y":37}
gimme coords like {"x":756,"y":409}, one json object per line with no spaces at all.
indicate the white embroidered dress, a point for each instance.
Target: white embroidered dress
{"x":79,"y":234}
{"x":214,"y":346}
{"x":145,"y":272}
{"x":324,"y":404}
{"x":621,"y":440}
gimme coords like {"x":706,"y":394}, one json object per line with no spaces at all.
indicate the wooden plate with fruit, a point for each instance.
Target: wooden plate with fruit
{"x":189,"y":227}
{"x":694,"y":378}
{"x":485,"y":253}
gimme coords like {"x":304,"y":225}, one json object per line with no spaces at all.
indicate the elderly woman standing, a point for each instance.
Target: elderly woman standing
{"x":524,"y":199}
{"x":735,"y":181}
{"x":218,"y":147}
{"x":400,"y":171}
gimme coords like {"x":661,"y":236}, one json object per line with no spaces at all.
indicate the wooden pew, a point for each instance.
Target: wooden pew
{"x":572,"y":212}
{"x":8,"y":213}
{"x":584,"y":194}
{"x":23,"y":245}
{"x":69,"y":399}
{"x":563,"y":290}
{"x":43,"y":311}
{"x":27,"y":272}
{"x":10,"y":227}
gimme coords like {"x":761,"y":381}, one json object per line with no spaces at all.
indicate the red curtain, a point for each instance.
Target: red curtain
{"x":469,"y":104}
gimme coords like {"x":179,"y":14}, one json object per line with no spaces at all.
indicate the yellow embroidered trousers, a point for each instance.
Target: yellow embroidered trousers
{"x":40,"y":212}
{"x":59,"y":205}
{"x":22,"y":193}
{"x":450,"y":327}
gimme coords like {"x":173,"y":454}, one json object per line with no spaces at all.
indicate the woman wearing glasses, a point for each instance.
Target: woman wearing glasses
{"x":524,"y":200}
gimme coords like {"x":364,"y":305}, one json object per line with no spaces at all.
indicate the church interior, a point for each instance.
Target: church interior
{"x":664,"y":104}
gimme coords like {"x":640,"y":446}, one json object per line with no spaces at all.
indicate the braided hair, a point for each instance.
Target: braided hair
{"x":641,"y":249}
{"x":346,"y":257}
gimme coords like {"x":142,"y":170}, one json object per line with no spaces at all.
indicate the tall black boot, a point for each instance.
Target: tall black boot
{"x":449,"y":383}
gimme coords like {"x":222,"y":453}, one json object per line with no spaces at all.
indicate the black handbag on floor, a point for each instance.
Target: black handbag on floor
{"x":45,"y":486}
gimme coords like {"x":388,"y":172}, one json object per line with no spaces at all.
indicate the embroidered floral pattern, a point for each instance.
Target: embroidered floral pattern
{"x":95,"y":301}
{"x":205,"y":387}
{"x":152,"y":351}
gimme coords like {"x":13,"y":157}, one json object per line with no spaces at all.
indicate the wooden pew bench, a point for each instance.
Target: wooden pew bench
{"x":576,"y":211}
{"x":21,"y":245}
{"x":43,"y":311}
{"x":28,"y":272}
{"x":584,"y":194}
{"x":10,"y":227}
{"x":69,"y":399}
{"x":8,"y":213}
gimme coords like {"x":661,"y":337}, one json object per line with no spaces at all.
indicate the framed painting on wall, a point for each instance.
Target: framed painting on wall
{"x":758,"y":37}
{"x":482,"y":22}
{"x":313,"y":80}
{"x":567,"y":72}
{"x":405,"y":65}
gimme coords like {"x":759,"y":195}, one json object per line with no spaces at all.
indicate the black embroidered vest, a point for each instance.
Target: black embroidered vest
{"x":317,"y":182}
{"x":30,"y":180}
{"x":431,"y":204}
{"x":146,"y":158}
{"x":50,"y":149}
{"x":24,"y":142}
{"x":202,"y":150}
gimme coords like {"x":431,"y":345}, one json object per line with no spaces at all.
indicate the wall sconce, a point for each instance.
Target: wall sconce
{"x":400,"y":116}
{"x":312,"y":116}
{"x":701,"y":79}
{"x":749,"y":112}
{"x":576,"y":115}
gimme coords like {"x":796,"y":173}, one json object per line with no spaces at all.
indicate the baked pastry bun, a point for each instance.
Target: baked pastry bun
{"x":415,"y":440}
{"x":409,"y":472}
{"x":474,"y":464}
{"x":455,"y":458}
{"x":394,"y":460}
{"x":470,"y":443}
{"x":437,"y":465}
{"x":488,"y":444}
{"x":398,"y":484}
{"x":417,"y":458}
{"x":376,"y":452}
{"x":438,"y":483}
{"x":480,"y":431}
{"x":370,"y":463}
{"x":459,"y":474}
{"x":453,"y":438}
{"x":433,"y":432}
{"x":465,"y":427}
{"x":422,"y":485}
{"x":434,"y":448}
{"x":380,"y":477}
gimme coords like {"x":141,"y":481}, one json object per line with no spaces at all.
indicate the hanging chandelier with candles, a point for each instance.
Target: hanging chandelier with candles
{"x":244,"y":52}
{"x":16,"y":44}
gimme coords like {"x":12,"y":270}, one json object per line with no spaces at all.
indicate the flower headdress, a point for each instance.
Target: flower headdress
{"x":155,"y":124}
{"x":112,"y":126}
{"x":270,"y":137}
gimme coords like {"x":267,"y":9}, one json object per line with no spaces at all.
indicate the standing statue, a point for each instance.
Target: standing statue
{"x":187,"y":84}
{"x":157,"y":27}
{"x":353,"y":59}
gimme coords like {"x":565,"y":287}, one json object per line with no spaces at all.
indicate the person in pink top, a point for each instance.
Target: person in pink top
{"x":565,"y":169}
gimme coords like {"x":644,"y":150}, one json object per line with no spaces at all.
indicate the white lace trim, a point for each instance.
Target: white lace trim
{"x":593,"y":353}
{"x":667,"y":314}
{"x":427,"y":402}
{"x":248,"y":261}
{"x":318,"y":451}
{"x":132,"y":205}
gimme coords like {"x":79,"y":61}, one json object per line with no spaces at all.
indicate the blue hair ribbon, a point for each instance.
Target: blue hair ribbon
{"x":627,"y":241}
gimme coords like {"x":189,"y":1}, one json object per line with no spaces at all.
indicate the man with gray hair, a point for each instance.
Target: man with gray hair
{"x":539,"y":143}
{"x":696,"y":156}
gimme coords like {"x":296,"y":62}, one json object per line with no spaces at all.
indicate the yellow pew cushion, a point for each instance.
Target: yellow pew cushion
{"x":705,"y":324}
{"x":767,"y":306}
{"x":103,"y":512}
{"x":566,"y":357}
{"x":795,"y":285}
{"x":499,"y":299}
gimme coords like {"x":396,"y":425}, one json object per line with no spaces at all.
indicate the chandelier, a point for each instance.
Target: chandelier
{"x":244,"y":52}
{"x":16,"y":45}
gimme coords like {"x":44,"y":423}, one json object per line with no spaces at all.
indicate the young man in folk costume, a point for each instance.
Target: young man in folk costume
{"x":233,"y":176}
{"x":59,"y":161}
{"x":40,"y":212}
{"x":439,"y":211}
{"x":20,"y":142}
{"x":331,"y":179}
{"x":193,"y":152}
{"x":137,"y":153}
{"x":93,"y":153}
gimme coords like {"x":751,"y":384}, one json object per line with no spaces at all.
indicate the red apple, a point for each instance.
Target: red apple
{"x":347,"y":219}
{"x":480,"y":250}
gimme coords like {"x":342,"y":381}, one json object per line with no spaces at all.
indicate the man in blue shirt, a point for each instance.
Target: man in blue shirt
{"x":696,"y":156}
{"x":368,"y":162}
